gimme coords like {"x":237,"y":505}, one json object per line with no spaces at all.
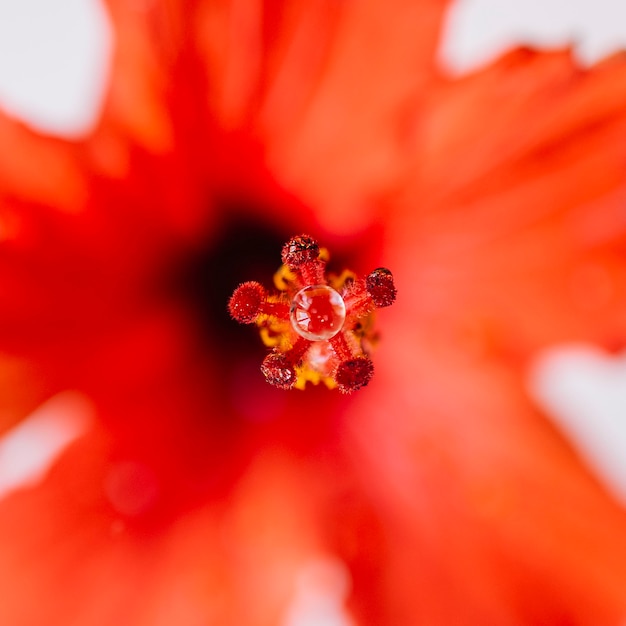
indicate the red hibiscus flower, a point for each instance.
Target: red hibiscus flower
{"x":197,"y":494}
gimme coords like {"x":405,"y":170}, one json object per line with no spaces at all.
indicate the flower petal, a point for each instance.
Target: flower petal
{"x":39,"y":169}
{"x":484,"y":531}
{"x":512,"y":226}
{"x":145,"y":48}
{"x":340,"y":142}
{"x":231,"y":563}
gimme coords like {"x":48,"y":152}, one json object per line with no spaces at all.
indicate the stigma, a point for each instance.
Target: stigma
{"x":319,"y":327}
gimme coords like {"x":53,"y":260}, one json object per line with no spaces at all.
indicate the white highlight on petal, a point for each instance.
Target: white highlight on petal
{"x":28,"y":450}
{"x":321,"y":589}
{"x":54,"y":58}
{"x":584,"y":391}
{"x":477,"y":31}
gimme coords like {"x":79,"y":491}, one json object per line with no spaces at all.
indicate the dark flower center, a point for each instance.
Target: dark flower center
{"x":244,"y":249}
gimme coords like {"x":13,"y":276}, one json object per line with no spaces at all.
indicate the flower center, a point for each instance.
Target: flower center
{"x":317,"y":312}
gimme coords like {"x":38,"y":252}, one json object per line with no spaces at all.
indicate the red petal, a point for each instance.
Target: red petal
{"x":38,"y":169}
{"x":145,"y":48}
{"x":512,"y":225}
{"x":339,"y":142}
{"x":495,"y":520}
{"x":87,"y":563}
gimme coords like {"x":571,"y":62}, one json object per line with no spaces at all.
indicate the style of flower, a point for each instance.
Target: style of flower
{"x":319,"y":332}
{"x":198,"y":494}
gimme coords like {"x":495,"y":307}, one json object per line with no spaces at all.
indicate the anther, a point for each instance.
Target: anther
{"x":279,"y":369}
{"x":380,"y":287}
{"x":354,"y":370}
{"x":246,"y":302}
{"x":251,"y":300}
{"x":299,"y":251}
{"x":354,"y":374}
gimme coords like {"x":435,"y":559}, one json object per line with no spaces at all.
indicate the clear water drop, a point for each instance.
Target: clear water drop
{"x":317,"y":312}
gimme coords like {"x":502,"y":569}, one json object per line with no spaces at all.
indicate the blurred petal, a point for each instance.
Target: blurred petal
{"x":340,"y":143}
{"x":513,"y":229}
{"x":143,"y":55}
{"x":89,"y":564}
{"x":57,"y":180}
{"x":515,"y":533}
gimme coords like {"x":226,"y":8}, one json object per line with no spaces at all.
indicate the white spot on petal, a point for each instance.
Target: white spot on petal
{"x":584,"y":391}
{"x":321,"y":590}
{"x":54,"y":58}
{"x":477,"y":31}
{"x":28,"y":450}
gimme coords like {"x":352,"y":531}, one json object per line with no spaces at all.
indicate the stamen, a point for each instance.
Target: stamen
{"x":301,"y":254}
{"x":251,"y":300}
{"x":246,"y":302}
{"x":341,"y":348}
{"x":379,"y":285}
{"x":320,"y":329}
{"x":280,"y":369}
{"x":299,"y":251}
{"x":354,"y":374}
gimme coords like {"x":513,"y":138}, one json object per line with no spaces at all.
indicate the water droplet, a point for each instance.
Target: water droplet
{"x":317,"y":312}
